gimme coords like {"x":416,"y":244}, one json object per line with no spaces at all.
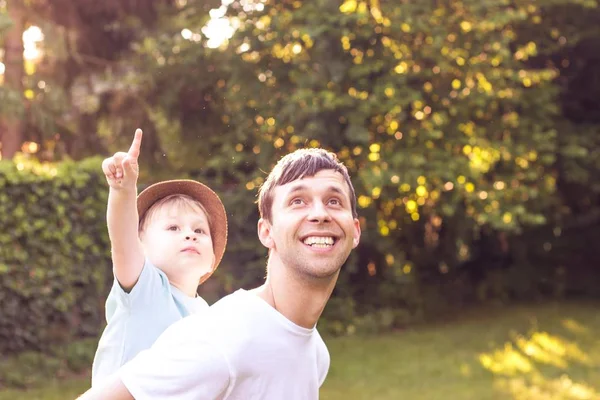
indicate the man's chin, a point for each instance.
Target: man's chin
{"x":323,"y":272}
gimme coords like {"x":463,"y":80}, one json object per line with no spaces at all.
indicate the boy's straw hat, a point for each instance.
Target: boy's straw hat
{"x":198,"y":191}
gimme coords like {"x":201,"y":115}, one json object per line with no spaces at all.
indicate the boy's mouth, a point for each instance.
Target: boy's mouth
{"x":190,"y":250}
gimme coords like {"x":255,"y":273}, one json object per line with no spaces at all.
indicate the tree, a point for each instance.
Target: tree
{"x":11,"y":134}
{"x":450,"y":130}
{"x":445,"y":127}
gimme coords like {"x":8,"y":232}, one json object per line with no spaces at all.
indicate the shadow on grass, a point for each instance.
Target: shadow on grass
{"x":540,"y":365}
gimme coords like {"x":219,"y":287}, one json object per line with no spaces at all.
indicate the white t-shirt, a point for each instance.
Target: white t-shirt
{"x":136,"y":319}
{"x":240,"y":348}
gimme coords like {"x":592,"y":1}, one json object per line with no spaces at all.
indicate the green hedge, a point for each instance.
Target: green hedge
{"x":54,"y":253}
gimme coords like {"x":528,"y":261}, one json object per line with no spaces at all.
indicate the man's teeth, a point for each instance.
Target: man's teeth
{"x":319,"y":241}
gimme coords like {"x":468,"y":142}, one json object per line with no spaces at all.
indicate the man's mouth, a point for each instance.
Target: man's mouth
{"x":322,"y":242}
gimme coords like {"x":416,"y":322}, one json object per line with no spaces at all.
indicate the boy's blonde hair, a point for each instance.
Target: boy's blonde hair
{"x":176,"y":200}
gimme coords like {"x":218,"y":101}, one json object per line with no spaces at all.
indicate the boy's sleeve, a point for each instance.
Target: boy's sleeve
{"x":151,"y":284}
{"x":180,"y":365}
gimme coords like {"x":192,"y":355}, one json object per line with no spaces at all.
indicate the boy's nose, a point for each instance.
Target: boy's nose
{"x":191,"y":237}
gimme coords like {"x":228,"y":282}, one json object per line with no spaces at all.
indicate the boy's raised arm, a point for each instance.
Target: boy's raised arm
{"x":122,"y":171}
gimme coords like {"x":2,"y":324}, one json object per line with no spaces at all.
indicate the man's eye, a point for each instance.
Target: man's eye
{"x":297,"y":202}
{"x":335,"y":202}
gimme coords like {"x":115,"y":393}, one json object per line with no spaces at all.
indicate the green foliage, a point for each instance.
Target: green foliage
{"x":434,"y":95}
{"x":11,"y":102}
{"x":31,"y":368}
{"x":54,"y":253}
{"x":28,"y":368}
{"x":5,"y":21}
{"x":78,"y":355}
{"x":444,"y":126}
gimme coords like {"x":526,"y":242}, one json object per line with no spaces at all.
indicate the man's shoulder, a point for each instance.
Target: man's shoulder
{"x":233,"y":302}
{"x":322,"y":347}
{"x":215,"y":317}
{"x":210,"y":327}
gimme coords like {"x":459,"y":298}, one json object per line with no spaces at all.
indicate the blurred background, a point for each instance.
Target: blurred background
{"x":470,"y":129}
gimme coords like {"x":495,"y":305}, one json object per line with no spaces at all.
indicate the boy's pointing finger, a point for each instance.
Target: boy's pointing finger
{"x":134,"y":150}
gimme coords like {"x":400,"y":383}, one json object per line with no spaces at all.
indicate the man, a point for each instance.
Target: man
{"x":262,"y":344}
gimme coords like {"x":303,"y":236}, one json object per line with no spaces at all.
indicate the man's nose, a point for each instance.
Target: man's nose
{"x":318,"y":212}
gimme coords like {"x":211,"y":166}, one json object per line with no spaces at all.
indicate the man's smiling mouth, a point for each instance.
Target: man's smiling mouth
{"x":319,"y":241}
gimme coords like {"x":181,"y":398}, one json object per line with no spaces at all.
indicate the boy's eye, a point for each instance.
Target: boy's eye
{"x":199,"y":230}
{"x":172,"y":228}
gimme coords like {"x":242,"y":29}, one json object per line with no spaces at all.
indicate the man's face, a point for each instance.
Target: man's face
{"x":312,"y":230}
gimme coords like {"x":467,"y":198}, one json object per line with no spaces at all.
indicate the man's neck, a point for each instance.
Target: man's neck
{"x":299,"y":299}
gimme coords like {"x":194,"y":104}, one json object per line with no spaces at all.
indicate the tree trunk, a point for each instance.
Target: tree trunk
{"x":11,"y":135}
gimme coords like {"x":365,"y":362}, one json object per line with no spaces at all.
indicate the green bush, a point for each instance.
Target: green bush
{"x":32,"y":368}
{"x":54,"y":253}
{"x":27,"y":369}
{"x":79,"y":355}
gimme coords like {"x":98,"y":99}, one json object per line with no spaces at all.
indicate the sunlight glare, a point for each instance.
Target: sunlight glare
{"x":186,"y":34}
{"x":217,"y":13}
{"x":220,"y":28}
{"x":218,"y":31}
{"x":31,"y":37}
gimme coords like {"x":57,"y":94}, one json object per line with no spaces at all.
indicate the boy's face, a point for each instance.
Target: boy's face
{"x":312,"y":229}
{"x":177,"y":240}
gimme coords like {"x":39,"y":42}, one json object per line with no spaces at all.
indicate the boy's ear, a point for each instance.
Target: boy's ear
{"x":265,"y":233}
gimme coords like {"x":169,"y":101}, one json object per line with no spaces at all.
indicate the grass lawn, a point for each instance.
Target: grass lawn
{"x":549,"y":352}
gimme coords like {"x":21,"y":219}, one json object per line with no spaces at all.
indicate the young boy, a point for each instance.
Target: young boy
{"x":162,"y":249}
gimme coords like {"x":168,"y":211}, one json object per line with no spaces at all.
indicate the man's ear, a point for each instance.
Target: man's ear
{"x":357,"y":232}
{"x":264,"y":233}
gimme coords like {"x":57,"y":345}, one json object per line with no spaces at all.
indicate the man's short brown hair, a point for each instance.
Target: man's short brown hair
{"x":297,"y":165}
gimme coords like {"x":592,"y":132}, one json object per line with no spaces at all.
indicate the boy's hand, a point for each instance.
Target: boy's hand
{"x":122,"y":169}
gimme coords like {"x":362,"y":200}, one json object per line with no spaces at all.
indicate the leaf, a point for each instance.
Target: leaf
{"x":357,"y":133}
{"x":5,"y":22}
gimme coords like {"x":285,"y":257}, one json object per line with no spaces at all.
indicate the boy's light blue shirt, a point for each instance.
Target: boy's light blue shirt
{"x":136,"y":319}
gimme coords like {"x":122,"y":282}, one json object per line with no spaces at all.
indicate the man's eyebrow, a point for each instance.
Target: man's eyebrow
{"x":298,"y":188}
{"x":336,"y":190}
